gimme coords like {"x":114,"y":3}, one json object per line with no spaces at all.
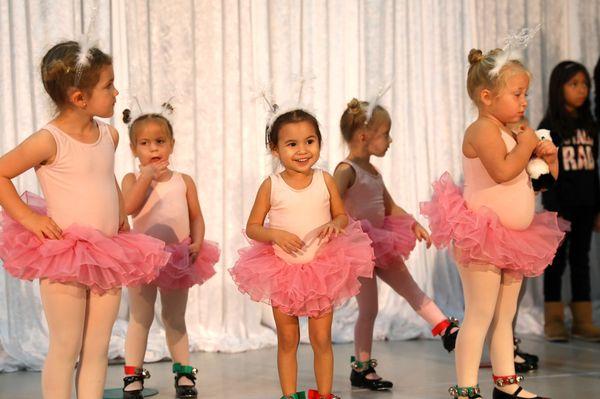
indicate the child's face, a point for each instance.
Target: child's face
{"x":576,"y":91}
{"x":102,"y":99}
{"x":379,"y":139}
{"x":297,"y":146}
{"x":152,"y":142}
{"x":510,"y":104}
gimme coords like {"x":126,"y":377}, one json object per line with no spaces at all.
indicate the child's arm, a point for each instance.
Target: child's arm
{"x":135,"y":190}
{"x":484,"y":138}
{"x":197,"y":227}
{"x":344,"y":176}
{"x":255,"y":229}
{"x":38,"y":149}
{"x":339,"y":219}
{"x":123,"y":222}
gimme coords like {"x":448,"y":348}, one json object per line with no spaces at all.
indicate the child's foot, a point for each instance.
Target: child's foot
{"x":133,"y":383}
{"x":185,"y":381}
{"x":363,"y":375}
{"x":297,"y":395}
{"x":524,"y":362}
{"x":448,"y":331}
{"x":314,"y":394}
{"x":507,"y":387}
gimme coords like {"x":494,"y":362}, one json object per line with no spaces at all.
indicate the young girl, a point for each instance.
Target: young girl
{"x":575,"y":196}
{"x":393,"y":231}
{"x":496,"y":236}
{"x":73,"y":247}
{"x":308,"y":258}
{"x":164,"y":205}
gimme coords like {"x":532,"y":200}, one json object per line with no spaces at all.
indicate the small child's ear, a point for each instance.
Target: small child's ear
{"x":274,"y":152}
{"x":77,"y":98}
{"x":486,"y":96}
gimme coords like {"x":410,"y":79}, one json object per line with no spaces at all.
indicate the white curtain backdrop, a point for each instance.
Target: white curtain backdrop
{"x":208,"y":54}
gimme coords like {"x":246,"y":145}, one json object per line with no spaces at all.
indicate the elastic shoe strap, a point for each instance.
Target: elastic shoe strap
{"x":132,"y":370}
{"x":181,"y":369}
{"x":440,"y":327}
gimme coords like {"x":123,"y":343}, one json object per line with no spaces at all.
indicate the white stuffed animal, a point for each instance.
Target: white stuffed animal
{"x":538,"y":167}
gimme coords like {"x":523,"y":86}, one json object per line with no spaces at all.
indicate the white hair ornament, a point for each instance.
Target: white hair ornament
{"x":512,"y":44}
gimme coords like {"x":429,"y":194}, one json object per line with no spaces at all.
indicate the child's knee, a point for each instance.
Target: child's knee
{"x":320,"y":340}
{"x":288,"y":340}
{"x":174,"y":320}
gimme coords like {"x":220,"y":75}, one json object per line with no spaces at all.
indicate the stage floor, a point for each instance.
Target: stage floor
{"x":420,"y":369}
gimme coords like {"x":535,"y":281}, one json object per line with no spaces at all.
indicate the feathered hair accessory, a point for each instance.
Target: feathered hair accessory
{"x":513,"y":44}
{"x":276,"y":109}
{"x":137,"y":109}
{"x":86,"y":44}
{"x":374,"y":102}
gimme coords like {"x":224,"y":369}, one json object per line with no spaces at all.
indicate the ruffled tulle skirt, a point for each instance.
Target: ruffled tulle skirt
{"x":180,"y":273}
{"x":307,"y":289}
{"x":393,"y":241}
{"x":478,"y":237}
{"x":83,"y":255}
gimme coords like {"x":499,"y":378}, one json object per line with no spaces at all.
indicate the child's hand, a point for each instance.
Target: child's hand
{"x":123,"y":223}
{"x":42,"y":226}
{"x":327,"y":230}
{"x":290,"y":243}
{"x":422,"y":234}
{"x":194,"y":249}
{"x":526,"y":136}
{"x":154,"y":169}
{"x":547,"y":151}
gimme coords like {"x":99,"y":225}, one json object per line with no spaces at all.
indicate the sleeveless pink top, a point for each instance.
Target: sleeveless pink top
{"x":300,"y":212}
{"x":165,"y":215}
{"x":79,"y":186}
{"x":364,"y":199}
{"x":512,"y":201}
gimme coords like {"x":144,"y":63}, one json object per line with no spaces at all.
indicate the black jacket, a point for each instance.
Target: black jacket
{"x":578,"y":184}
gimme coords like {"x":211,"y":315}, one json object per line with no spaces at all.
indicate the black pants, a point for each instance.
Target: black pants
{"x":575,"y":248}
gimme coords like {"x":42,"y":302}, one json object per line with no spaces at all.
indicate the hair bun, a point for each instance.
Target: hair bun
{"x":126,"y":116}
{"x":475,"y":56}
{"x":354,"y":106}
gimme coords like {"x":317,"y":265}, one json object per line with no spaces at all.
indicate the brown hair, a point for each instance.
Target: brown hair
{"x":142,"y":119}
{"x":294,"y":116}
{"x":355,"y":118}
{"x":58,"y":69}
{"x":479,"y":78}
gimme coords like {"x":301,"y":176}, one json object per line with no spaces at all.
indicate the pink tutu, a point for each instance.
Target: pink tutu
{"x":308,"y":289}
{"x":179,"y":273}
{"x":394,"y":240}
{"x":84,"y":255}
{"x":479,"y":237}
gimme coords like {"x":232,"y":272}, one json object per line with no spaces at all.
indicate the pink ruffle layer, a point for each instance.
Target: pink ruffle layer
{"x":394,"y":240}
{"x":180,"y":273}
{"x":84,"y":255}
{"x":479,"y":237}
{"x":308,"y":289}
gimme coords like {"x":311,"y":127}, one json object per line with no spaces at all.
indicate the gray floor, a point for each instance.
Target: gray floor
{"x":420,"y":369}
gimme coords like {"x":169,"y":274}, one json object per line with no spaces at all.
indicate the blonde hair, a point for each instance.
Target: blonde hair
{"x":355,"y":118}
{"x":479,"y":77}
